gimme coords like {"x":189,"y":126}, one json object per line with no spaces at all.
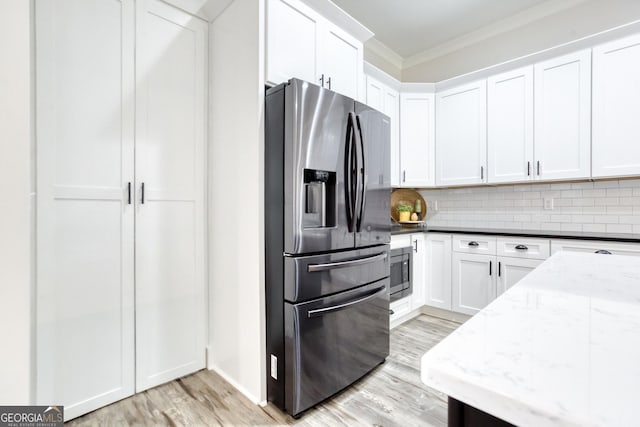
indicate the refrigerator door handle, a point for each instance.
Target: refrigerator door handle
{"x":349,"y":166}
{"x":311,"y":268}
{"x":363,"y":172}
{"x":322,"y":311}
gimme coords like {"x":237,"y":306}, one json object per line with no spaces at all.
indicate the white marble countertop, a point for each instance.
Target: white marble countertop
{"x":561,"y":347}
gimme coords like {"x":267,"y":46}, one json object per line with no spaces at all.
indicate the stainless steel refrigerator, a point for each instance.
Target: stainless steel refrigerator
{"x":327,"y":228}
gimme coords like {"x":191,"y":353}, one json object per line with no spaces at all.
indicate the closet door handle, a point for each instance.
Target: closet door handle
{"x":142,"y":193}
{"x":128,"y":193}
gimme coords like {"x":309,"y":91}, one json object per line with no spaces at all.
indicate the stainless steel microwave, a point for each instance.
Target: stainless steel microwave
{"x":401,"y":275}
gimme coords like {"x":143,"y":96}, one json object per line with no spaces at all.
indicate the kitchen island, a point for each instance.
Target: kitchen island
{"x":561,"y":347}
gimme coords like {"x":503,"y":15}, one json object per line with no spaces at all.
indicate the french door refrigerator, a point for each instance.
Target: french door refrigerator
{"x":327,"y":228}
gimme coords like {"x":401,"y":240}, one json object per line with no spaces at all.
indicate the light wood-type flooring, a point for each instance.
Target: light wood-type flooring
{"x":391,"y":395}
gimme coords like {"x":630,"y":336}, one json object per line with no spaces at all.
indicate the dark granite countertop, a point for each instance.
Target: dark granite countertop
{"x":614,"y":237}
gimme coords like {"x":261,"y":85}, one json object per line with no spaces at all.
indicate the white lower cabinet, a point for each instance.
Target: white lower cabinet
{"x":418,"y":270}
{"x":438,"y":270}
{"x":474,"y":282}
{"x":512,"y":270}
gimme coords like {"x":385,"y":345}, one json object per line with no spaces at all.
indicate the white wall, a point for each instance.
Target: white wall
{"x":611,"y":206}
{"x":15,"y":202}
{"x":588,"y":17}
{"x":236,"y":208}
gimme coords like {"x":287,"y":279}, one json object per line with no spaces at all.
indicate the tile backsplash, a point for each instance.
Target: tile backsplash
{"x":604,"y":206}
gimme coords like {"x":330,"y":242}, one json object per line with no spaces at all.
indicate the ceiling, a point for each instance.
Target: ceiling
{"x":411,"y":27}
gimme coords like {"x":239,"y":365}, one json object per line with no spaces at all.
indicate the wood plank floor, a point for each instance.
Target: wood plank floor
{"x":391,"y":395}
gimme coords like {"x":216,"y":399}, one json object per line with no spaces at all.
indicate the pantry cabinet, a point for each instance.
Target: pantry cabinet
{"x":510,"y":126}
{"x":562,"y":101}
{"x":616,"y":108}
{"x":461,"y":135}
{"x":417,"y":139}
{"x":301,"y":43}
{"x":120,"y":159}
{"x":387,"y":100}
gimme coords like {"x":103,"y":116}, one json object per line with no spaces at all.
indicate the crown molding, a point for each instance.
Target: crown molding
{"x":341,"y":18}
{"x":382,"y":50}
{"x":518,"y":20}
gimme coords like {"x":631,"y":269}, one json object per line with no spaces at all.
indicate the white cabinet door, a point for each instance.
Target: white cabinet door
{"x":438,"y":270}
{"x":85,"y":125}
{"x":616,"y":108}
{"x":461,"y":141}
{"x":563,"y":117}
{"x":512,"y":270}
{"x":418,"y":270}
{"x":292,"y":41}
{"x":392,"y":109}
{"x":474,"y":282}
{"x":385,"y":99}
{"x":341,"y":63}
{"x":417,"y":114}
{"x":510,"y":126}
{"x":170,"y":157}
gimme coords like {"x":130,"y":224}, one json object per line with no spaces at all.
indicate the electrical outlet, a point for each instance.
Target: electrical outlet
{"x":274,"y":367}
{"x":548,"y":203}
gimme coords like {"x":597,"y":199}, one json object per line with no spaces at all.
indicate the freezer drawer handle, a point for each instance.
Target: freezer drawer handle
{"x":311,"y":268}
{"x":325,"y":310}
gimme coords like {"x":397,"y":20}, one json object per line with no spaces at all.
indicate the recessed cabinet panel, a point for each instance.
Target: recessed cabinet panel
{"x":438,"y":270}
{"x":462,"y":135}
{"x":474,"y":282}
{"x":616,"y":108}
{"x":510,"y":126}
{"x":512,"y":270}
{"x":416,"y":139}
{"x":291,"y":42}
{"x":563,"y":117}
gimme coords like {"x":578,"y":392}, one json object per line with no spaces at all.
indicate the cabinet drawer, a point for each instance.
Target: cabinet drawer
{"x":474,"y":244}
{"x":518,"y":247}
{"x":592,"y":246}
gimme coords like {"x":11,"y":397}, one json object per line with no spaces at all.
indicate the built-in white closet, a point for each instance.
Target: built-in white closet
{"x":121,"y":106}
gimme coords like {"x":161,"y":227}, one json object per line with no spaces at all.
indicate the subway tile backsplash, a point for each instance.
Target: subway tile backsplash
{"x":611,"y":206}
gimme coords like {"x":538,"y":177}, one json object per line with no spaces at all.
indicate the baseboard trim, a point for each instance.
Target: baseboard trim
{"x":411,"y":315}
{"x":444,"y":314}
{"x":255,"y":400}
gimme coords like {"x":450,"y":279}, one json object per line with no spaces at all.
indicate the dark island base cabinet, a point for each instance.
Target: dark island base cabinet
{"x":463,"y":415}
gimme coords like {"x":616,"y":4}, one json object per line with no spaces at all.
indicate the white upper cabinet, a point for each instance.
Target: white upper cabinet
{"x":290,"y":56}
{"x":616,"y":108}
{"x":563,"y":117}
{"x":387,"y":100}
{"x":341,"y":65}
{"x":417,"y":115}
{"x":303,"y":44}
{"x":462,"y":135}
{"x":510,"y":126}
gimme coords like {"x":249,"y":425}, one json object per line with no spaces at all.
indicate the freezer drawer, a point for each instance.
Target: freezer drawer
{"x":310,"y":277}
{"x":333,"y":341}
